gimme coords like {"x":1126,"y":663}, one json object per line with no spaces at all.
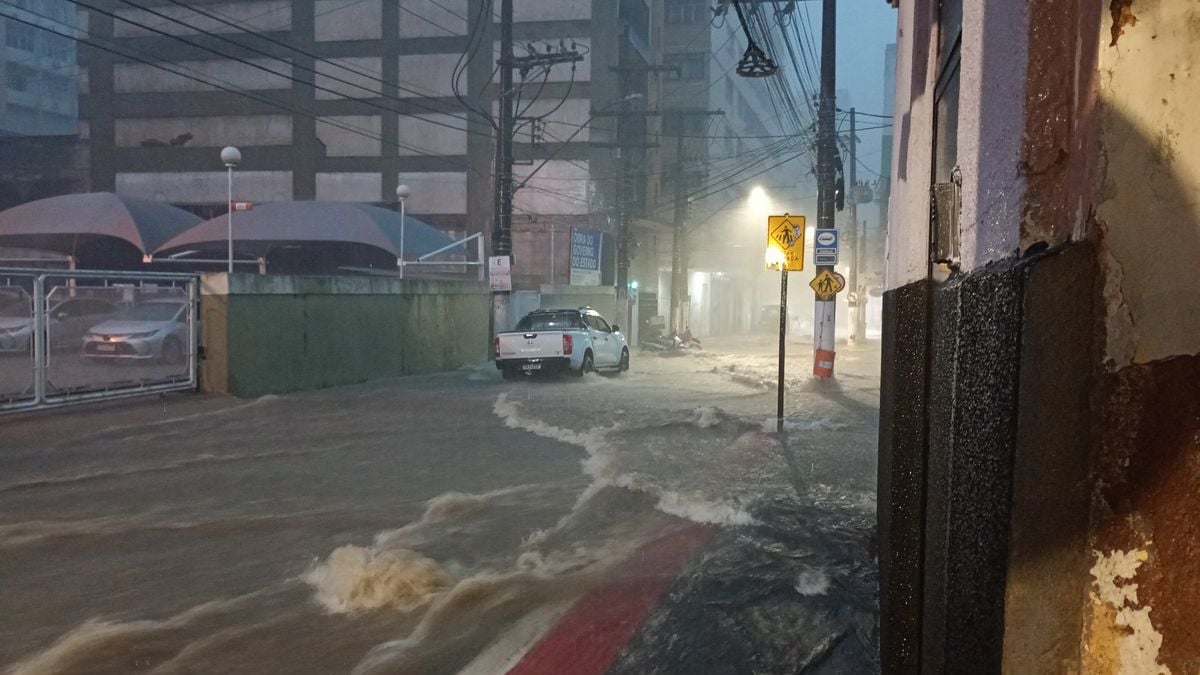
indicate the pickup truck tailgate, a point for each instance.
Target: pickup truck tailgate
{"x":533,"y":345}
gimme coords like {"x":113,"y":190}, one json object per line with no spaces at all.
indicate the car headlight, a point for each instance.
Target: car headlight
{"x":13,"y":331}
{"x":139,"y":336}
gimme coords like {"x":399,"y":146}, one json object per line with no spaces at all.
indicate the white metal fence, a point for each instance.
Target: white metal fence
{"x":73,"y":336}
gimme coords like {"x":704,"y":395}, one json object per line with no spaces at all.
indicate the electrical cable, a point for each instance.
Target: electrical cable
{"x":228,"y":87}
{"x":314,"y":71}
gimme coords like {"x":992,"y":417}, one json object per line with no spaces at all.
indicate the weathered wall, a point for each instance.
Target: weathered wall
{"x":1102,"y":569}
{"x":1149,"y":201}
{"x":285,"y":333}
{"x":1145,"y":534}
{"x":1145,"y":539}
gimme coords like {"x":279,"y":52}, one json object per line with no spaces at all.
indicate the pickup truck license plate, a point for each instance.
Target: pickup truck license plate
{"x":106,"y":348}
{"x":531,"y":366}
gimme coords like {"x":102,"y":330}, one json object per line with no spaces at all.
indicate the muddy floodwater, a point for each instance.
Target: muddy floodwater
{"x":449,"y":523}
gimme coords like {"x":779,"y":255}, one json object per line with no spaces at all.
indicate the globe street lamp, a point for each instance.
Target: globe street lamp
{"x":402,"y":193}
{"x":231,"y":156}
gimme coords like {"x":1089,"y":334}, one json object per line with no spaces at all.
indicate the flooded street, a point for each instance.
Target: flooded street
{"x":453,"y":523}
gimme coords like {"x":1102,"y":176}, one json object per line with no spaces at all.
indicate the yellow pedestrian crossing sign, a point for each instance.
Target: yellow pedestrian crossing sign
{"x":827,"y":284}
{"x":785,"y":243}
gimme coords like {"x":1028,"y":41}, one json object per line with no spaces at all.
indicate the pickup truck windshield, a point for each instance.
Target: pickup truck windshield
{"x":550,"y":321}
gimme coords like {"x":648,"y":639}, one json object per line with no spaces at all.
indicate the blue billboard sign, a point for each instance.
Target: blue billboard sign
{"x":585,"y":256}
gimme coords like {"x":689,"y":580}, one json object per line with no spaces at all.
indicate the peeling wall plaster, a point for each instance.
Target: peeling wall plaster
{"x":1123,"y":639}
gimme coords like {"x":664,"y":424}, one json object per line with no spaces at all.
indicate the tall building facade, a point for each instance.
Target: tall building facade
{"x":348,"y":99}
{"x":37,"y":69}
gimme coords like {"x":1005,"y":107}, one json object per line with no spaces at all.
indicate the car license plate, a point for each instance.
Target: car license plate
{"x":106,"y":348}
{"x":532,"y":366}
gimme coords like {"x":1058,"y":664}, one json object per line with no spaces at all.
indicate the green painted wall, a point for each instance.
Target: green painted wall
{"x":294,"y":333}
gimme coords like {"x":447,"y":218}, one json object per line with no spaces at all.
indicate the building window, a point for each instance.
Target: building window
{"x":59,"y":87}
{"x":681,"y":12}
{"x":20,"y":36}
{"x":21,"y":78}
{"x":691,"y":66}
{"x":946,"y":189}
{"x":635,"y":17}
{"x":55,"y":45}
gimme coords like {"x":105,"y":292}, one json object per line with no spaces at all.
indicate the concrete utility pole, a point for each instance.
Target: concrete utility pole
{"x":852,"y":231}
{"x":755,"y":63}
{"x":679,"y":233}
{"x":679,"y":236}
{"x":502,"y":224}
{"x":824,"y":323}
{"x":626,"y":191}
{"x":503,"y":173}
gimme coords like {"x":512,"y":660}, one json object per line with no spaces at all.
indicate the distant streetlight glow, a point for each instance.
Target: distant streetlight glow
{"x":759,"y":202}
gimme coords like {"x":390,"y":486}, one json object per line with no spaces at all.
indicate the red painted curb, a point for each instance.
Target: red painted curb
{"x":589,"y":637}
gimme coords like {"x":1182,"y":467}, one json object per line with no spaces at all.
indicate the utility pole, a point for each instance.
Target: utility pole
{"x":853,"y":241}
{"x":503,"y":172}
{"x":679,"y":248}
{"x":824,"y":323}
{"x":502,"y":223}
{"x":626,"y":191}
{"x":679,"y":233}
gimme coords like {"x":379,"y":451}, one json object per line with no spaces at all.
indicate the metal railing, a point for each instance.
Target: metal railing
{"x":69,"y":336}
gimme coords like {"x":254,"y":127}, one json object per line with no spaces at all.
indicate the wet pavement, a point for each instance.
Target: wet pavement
{"x":453,"y":523}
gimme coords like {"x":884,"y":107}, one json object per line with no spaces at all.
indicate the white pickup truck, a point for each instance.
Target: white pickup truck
{"x":577,"y":341}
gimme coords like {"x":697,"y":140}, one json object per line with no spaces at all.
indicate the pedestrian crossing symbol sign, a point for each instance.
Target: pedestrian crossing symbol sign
{"x":785,"y":243}
{"x":827,"y":284}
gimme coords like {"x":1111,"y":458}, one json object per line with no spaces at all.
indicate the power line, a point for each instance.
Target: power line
{"x":859,"y":112}
{"x":314,"y":71}
{"x":431,"y":22}
{"x":227,"y":87}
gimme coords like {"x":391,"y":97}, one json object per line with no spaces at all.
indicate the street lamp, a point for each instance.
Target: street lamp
{"x":231,"y":156}
{"x":402,"y":193}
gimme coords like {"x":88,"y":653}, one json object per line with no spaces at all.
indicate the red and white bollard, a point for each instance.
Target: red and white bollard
{"x":824,"y":338}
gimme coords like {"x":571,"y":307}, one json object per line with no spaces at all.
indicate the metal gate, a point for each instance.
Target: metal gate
{"x":74,"y":336}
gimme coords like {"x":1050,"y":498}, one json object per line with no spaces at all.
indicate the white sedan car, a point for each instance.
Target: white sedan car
{"x":155,"y":330}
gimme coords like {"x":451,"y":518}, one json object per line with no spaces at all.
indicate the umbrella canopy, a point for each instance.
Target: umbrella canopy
{"x":63,"y":223}
{"x":269,"y":226}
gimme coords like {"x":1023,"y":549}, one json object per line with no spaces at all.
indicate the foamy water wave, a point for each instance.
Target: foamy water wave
{"x":354,"y":579}
{"x":792,"y":424}
{"x":604,"y":467}
{"x":103,"y":645}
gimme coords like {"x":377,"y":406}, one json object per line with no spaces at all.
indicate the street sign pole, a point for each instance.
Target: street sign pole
{"x":783,"y":316}
{"x":826,"y":284}
{"x":785,"y":252}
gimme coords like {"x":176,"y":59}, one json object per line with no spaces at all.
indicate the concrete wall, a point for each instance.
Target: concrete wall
{"x":990,"y":126}
{"x":603,"y":299}
{"x":908,"y":233}
{"x":1093,"y":199}
{"x":1144,"y":545}
{"x":1149,"y":203}
{"x":272,"y":334}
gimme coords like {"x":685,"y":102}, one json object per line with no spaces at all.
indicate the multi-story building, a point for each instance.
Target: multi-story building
{"x":718,"y":132}
{"x":38,"y":103}
{"x":346,"y":100}
{"x":37,"y":69}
